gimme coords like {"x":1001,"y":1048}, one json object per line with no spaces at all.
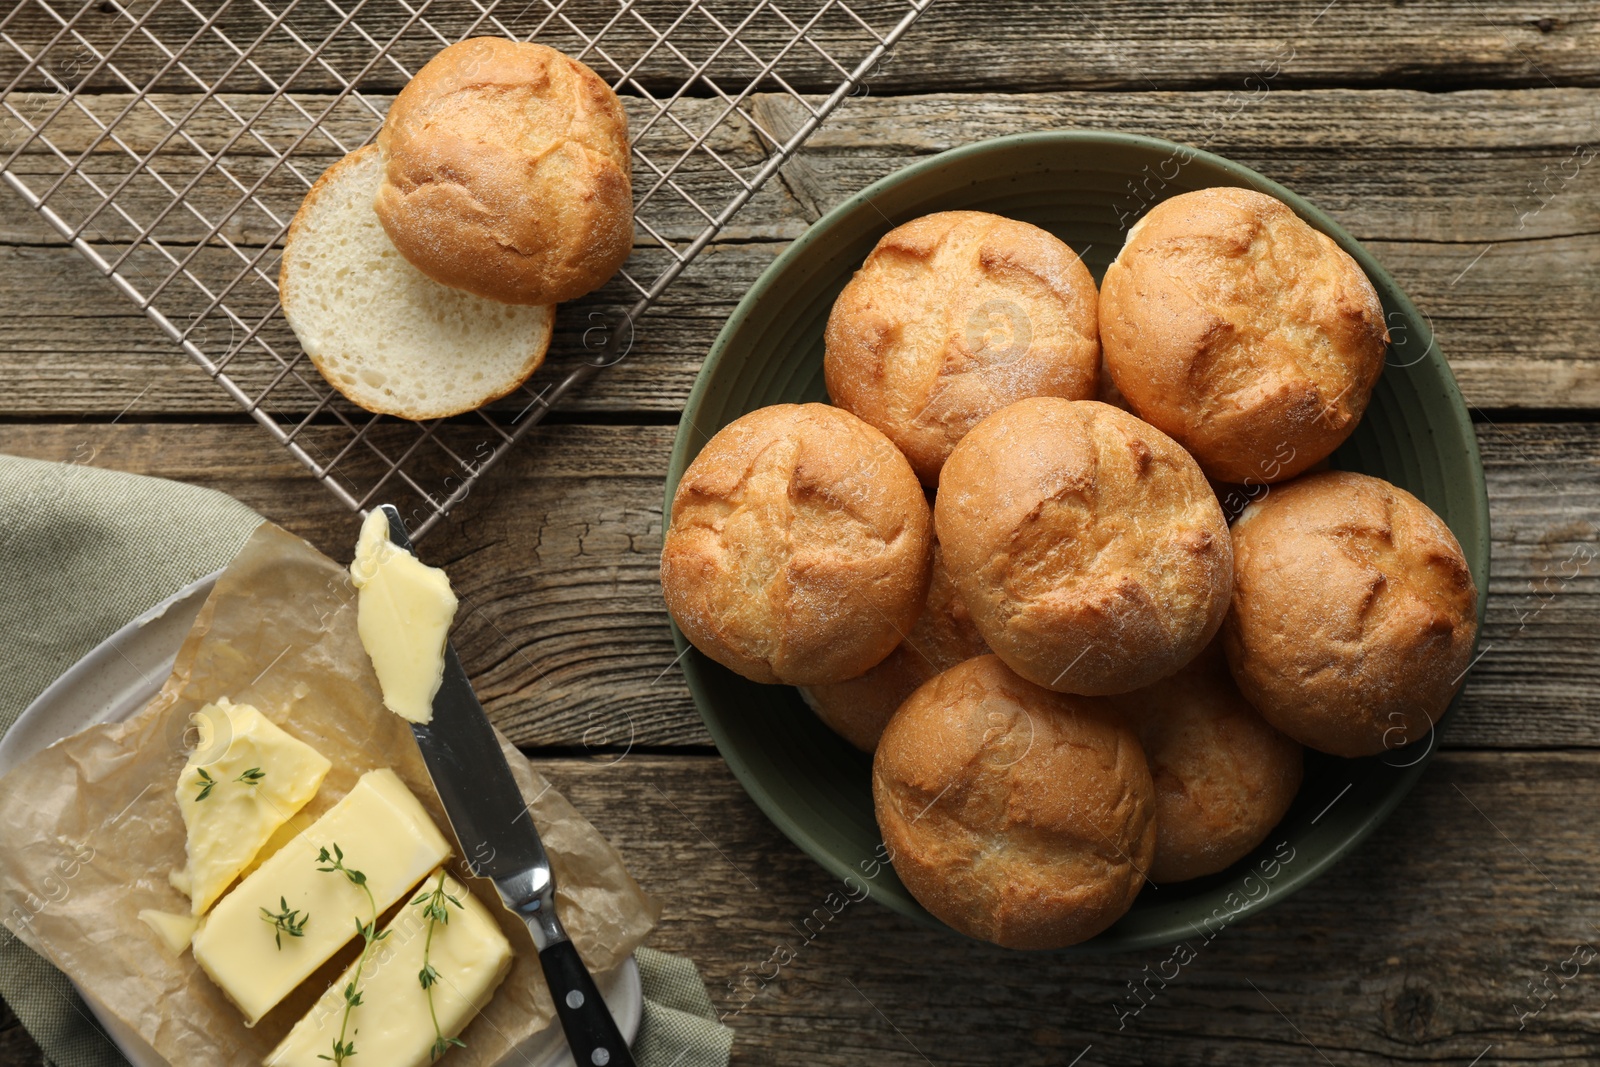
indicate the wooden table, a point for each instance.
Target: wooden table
{"x":1455,"y":140}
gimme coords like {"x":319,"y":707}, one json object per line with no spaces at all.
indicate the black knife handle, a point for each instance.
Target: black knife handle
{"x":591,"y":1032}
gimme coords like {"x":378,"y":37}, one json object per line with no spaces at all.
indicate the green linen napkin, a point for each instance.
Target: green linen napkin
{"x":82,"y":551}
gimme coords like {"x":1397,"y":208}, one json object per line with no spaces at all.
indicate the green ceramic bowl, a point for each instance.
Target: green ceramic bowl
{"x":1086,"y":188}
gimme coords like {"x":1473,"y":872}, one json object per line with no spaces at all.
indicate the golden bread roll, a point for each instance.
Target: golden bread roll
{"x":952,"y":317}
{"x":1086,"y":544}
{"x":1353,"y":613}
{"x":1249,"y":337}
{"x":799,"y":546}
{"x":1014,"y":814}
{"x":1223,"y":776}
{"x":508,"y":173}
{"x":858,"y":709}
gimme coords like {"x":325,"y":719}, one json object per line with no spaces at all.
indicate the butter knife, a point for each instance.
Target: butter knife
{"x":499,"y":842}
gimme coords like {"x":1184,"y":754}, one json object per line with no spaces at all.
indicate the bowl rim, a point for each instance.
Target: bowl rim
{"x":1478,"y":558}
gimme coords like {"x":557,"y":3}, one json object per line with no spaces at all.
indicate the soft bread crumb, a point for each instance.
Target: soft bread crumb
{"x":382,"y":333}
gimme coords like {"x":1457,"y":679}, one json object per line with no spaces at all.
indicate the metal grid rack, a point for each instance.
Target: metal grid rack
{"x":171,"y":141}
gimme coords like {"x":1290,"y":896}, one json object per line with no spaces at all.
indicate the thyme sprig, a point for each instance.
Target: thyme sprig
{"x":370,"y":936}
{"x":437,"y":914}
{"x":253,"y":776}
{"x":286,"y":920}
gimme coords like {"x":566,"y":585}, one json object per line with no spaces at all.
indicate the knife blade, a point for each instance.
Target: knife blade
{"x":494,"y":827}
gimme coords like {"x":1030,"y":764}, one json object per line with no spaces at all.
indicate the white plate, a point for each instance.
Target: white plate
{"x":118,"y":678}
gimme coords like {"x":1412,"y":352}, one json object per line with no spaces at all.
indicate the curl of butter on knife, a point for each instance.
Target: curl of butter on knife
{"x":403,"y":616}
{"x":403,"y":613}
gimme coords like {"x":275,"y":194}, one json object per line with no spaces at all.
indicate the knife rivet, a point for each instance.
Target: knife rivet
{"x":600,"y":1057}
{"x":575,"y":1000}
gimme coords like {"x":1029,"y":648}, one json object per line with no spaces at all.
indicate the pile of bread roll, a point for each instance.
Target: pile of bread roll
{"x":1075,"y":677}
{"x":421,"y":273}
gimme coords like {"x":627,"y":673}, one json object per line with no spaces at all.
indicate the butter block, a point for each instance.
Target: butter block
{"x":392,"y":1024}
{"x":403,"y":613}
{"x":383,"y":832}
{"x":245,"y":778}
{"x":173,"y":930}
{"x":297,"y":824}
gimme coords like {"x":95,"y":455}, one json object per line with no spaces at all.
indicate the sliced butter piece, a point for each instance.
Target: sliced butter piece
{"x":259,"y":777}
{"x":173,"y":930}
{"x":392,"y":1024}
{"x":384,"y":833}
{"x":297,"y":824}
{"x":403,"y":612}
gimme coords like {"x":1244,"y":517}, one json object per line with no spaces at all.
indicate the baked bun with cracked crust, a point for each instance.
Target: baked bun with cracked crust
{"x":799,"y":546}
{"x":1016,"y":815}
{"x":1223,"y":776}
{"x":858,"y":709}
{"x":1353,"y":615}
{"x":1250,"y":338}
{"x":952,"y":317}
{"x":508,"y":173}
{"x":1088,"y":547}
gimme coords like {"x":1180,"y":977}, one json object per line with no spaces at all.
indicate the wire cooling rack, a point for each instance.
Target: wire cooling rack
{"x":171,"y":141}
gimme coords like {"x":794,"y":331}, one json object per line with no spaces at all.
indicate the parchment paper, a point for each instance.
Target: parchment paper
{"x":90,"y":828}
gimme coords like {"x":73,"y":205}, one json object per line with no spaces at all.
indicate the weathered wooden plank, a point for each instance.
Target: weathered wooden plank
{"x":64,"y":354}
{"x":563,"y":628}
{"x":1478,"y":202}
{"x":1003,"y":44}
{"x":1406,"y":145}
{"x":1436,"y":941}
{"x":278,"y":123}
{"x":149,"y":151}
{"x":1513,"y":317}
{"x":1494,"y":164}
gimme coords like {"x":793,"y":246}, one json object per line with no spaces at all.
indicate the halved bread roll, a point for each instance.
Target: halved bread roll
{"x":380,"y":331}
{"x":508,"y":173}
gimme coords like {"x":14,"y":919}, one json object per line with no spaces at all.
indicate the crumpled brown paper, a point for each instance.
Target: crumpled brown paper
{"x":90,"y":828}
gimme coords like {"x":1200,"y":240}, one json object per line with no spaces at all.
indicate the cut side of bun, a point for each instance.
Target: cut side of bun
{"x":381,"y":332}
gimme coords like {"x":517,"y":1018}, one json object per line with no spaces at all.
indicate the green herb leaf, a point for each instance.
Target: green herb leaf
{"x":437,"y":914}
{"x":341,"y":1050}
{"x":369,"y":935}
{"x":207,"y":784}
{"x":252,"y":777}
{"x":442,"y":1044}
{"x":285,"y":920}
